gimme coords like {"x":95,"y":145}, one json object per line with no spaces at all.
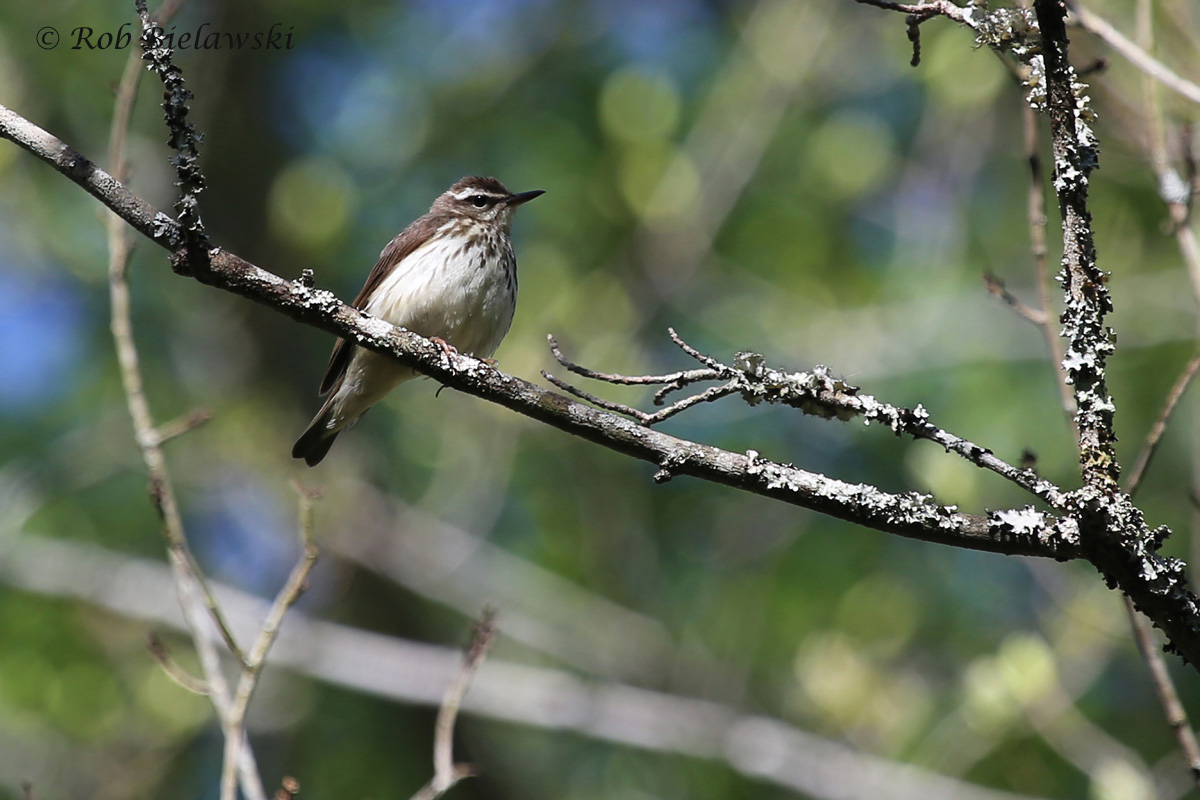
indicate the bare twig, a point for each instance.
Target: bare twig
{"x":706,"y":360}
{"x":194,"y":594}
{"x":149,"y":437}
{"x":816,"y":393}
{"x":446,"y":773}
{"x":682,"y":378}
{"x":174,"y":671}
{"x":181,"y":425}
{"x":1180,"y":210}
{"x":1096,"y":25}
{"x":707,"y":396}
{"x":234,"y":722}
{"x":1154,"y":437}
{"x":1037,"y":243}
{"x":1164,"y":687}
{"x":1176,"y":191}
{"x":996,"y":287}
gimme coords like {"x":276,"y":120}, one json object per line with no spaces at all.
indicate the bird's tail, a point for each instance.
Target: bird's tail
{"x":317,"y":438}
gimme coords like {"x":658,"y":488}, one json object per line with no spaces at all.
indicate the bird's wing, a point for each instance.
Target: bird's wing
{"x":396,"y":251}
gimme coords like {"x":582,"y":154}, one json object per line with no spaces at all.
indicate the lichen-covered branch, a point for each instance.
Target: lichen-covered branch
{"x":183,"y":137}
{"x":817,"y":393}
{"x":1113,"y":532}
{"x":1087,"y":303}
{"x":910,"y":514}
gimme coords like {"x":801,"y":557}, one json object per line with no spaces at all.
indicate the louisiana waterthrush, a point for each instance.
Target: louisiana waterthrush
{"x":450,"y":276}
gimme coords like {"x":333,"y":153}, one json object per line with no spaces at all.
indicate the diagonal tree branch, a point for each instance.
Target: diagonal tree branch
{"x":910,"y":514}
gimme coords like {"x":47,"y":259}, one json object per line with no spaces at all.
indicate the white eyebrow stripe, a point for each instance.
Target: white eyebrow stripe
{"x":463,"y":194}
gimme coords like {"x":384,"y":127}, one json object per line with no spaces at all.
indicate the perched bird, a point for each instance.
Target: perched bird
{"x":450,"y":276}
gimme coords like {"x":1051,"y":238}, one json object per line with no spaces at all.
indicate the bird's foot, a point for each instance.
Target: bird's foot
{"x":447,"y":348}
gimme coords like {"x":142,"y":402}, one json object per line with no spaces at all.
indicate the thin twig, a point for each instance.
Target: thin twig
{"x":1096,"y":25}
{"x":707,"y":396}
{"x":295,"y":586}
{"x":174,"y":671}
{"x":608,"y":405}
{"x":181,"y":425}
{"x":686,"y":376}
{"x":1036,"y":201}
{"x":1180,"y":210}
{"x":997,"y":288}
{"x":706,"y":360}
{"x":195,"y":595}
{"x":149,"y":437}
{"x":1154,"y":437}
{"x":672,"y":382}
{"x":1168,"y":697}
{"x":1176,"y":191}
{"x":820,"y":394}
{"x":445,"y":772}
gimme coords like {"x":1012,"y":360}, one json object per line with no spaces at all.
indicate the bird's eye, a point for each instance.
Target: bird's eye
{"x":478,"y":200}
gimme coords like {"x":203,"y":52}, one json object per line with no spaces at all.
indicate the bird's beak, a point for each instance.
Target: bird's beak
{"x":523,"y":197}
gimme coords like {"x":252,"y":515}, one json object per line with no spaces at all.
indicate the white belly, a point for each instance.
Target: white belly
{"x":450,"y":292}
{"x":464,"y":297}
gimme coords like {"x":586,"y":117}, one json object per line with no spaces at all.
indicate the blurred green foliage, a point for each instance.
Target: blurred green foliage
{"x":768,"y":176}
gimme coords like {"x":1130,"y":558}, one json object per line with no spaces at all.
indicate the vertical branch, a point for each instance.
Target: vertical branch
{"x":149,"y":437}
{"x":184,"y":140}
{"x":1089,"y":340}
{"x":195,"y":597}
